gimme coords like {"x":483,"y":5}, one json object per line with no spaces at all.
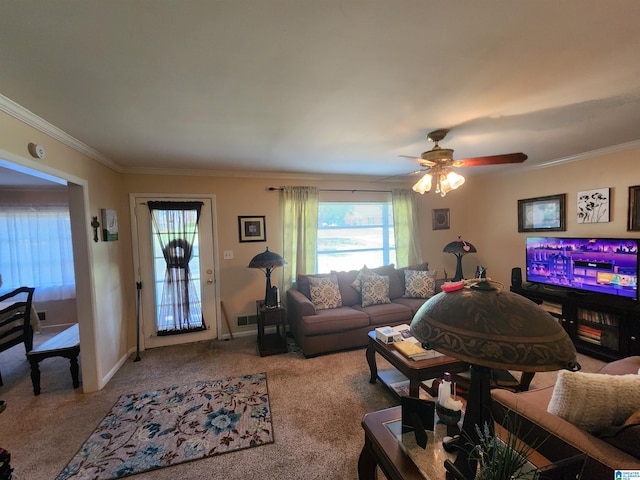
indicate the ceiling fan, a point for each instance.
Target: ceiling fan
{"x":438,"y":161}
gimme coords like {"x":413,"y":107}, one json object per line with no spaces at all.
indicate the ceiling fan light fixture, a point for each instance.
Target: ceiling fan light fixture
{"x":423,"y":185}
{"x":445,"y":181}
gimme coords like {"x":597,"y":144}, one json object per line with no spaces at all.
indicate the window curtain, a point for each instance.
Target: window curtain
{"x":405,"y":223}
{"x":299,"y":231}
{"x":175,"y":228}
{"x":36,"y":250}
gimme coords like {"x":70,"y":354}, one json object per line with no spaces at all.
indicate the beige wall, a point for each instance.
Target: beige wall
{"x":483,"y":212}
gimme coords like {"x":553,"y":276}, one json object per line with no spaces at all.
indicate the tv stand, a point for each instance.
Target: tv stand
{"x":600,"y":326}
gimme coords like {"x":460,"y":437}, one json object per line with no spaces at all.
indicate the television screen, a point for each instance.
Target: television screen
{"x":599,"y":265}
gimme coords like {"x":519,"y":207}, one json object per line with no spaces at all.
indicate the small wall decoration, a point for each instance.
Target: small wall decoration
{"x":252,"y":229}
{"x":109,"y":225}
{"x":440,"y":219}
{"x":542,"y":214}
{"x":593,"y":206}
{"x":633,"y":223}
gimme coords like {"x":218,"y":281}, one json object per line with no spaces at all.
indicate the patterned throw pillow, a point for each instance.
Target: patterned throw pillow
{"x":365,"y":272}
{"x":325,"y":293}
{"x":375,"y":290}
{"x":419,"y":284}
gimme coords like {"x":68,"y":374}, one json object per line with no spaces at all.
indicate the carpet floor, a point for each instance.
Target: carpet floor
{"x":317,"y":405}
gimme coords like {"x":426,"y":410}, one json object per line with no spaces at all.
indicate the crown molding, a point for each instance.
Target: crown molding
{"x":26,"y":116}
{"x":590,"y":154}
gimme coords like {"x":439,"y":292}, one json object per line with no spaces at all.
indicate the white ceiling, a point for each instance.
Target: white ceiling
{"x":320,"y":87}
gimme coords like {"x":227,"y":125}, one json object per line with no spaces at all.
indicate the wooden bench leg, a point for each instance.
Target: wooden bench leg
{"x":35,"y":376}
{"x":75,"y":370}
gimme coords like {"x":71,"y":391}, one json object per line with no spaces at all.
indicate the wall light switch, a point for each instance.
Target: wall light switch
{"x":228,"y":254}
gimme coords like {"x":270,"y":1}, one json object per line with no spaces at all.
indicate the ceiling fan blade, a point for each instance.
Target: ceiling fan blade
{"x":421,"y":161}
{"x":491,"y":160}
{"x":415,"y":172}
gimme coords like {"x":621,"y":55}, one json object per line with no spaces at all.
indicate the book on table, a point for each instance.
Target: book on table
{"x":411,"y":347}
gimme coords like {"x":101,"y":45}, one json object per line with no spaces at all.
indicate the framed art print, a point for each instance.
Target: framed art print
{"x":593,"y":206}
{"x":633,"y":223}
{"x":440,"y":219}
{"x":109,"y":225}
{"x":542,"y":214}
{"x":252,"y":229}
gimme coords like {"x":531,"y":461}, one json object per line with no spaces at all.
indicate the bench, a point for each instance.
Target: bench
{"x":65,"y":344}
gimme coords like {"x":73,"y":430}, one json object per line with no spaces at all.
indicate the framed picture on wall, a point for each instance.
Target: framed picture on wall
{"x":542,"y":214}
{"x":252,"y":229}
{"x":633,"y":223}
{"x":593,"y":206}
{"x":109,"y":225}
{"x":440,"y":219}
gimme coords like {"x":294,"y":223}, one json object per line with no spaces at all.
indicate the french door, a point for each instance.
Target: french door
{"x":175,"y":265}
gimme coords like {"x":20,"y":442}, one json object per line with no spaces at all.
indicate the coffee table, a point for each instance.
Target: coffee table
{"x":415,"y":370}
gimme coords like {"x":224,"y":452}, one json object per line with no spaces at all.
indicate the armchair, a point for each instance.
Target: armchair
{"x":15,"y":319}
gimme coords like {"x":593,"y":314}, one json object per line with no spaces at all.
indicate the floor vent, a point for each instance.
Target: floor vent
{"x":245,"y":320}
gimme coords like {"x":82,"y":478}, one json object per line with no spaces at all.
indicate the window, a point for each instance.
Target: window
{"x":351,"y":235}
{"x":36,"y":251}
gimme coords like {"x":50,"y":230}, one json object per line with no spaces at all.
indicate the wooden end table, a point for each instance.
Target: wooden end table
{"x":271,"y":343}
{"x":415,"y":370}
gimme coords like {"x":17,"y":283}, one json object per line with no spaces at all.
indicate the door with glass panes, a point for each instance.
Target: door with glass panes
{"x":176,"y":270}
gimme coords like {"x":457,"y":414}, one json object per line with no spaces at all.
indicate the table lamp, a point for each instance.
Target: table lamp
{"x":490,"y":328}
{"x":459,"y":248}
{"x":267,"y":261}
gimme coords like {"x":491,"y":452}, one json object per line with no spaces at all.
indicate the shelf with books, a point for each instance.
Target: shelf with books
{"x":601,"y":326}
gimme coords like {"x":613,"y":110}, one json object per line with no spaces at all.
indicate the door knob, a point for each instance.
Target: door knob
{"x":209,"y":280}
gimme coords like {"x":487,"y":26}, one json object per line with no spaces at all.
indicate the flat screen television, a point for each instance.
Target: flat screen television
{"x":606,"y":266}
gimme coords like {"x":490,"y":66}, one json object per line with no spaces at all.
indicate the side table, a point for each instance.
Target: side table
{"x":271,"y":343}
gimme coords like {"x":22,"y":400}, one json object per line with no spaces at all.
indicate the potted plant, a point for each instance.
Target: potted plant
{"x":500,"y":459}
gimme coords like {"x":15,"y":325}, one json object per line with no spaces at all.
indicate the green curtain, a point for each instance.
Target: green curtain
{"x":299,"y":231}
{"x":405,"y":222}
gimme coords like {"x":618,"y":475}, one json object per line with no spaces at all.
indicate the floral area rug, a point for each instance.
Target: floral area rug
{"x":156,"y":429}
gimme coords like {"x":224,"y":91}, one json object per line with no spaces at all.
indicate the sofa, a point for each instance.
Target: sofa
{"x":596,"y":413}
{"x":335,"y":311}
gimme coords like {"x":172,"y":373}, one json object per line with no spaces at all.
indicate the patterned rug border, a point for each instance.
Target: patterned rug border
{"x":221,"y":421}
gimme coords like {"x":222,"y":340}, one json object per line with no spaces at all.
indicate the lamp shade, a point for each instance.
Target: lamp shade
{"x":267,"y":259}
{"x":460,"y":247}
{"x":496,"y":329}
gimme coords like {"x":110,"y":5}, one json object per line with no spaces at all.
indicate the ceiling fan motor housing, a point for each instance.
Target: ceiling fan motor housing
{"x":441,"y":156}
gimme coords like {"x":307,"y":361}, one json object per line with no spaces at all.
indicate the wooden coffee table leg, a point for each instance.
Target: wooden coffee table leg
{"x":371,"y":360}
{"x":367,"y":462}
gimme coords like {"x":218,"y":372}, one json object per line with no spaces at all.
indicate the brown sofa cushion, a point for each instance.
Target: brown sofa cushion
{"x":623,"y":366}
{"x":625,"y":437}
{"x":349,"y":295}
{"x":386,"y":313}
{"x":334,"y":320}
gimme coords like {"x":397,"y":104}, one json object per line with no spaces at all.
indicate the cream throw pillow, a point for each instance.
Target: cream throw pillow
{"x":325,"y":293}
{"x":594,"y":401}
{"x":419,"y":284}
{"x":375,"y":290}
